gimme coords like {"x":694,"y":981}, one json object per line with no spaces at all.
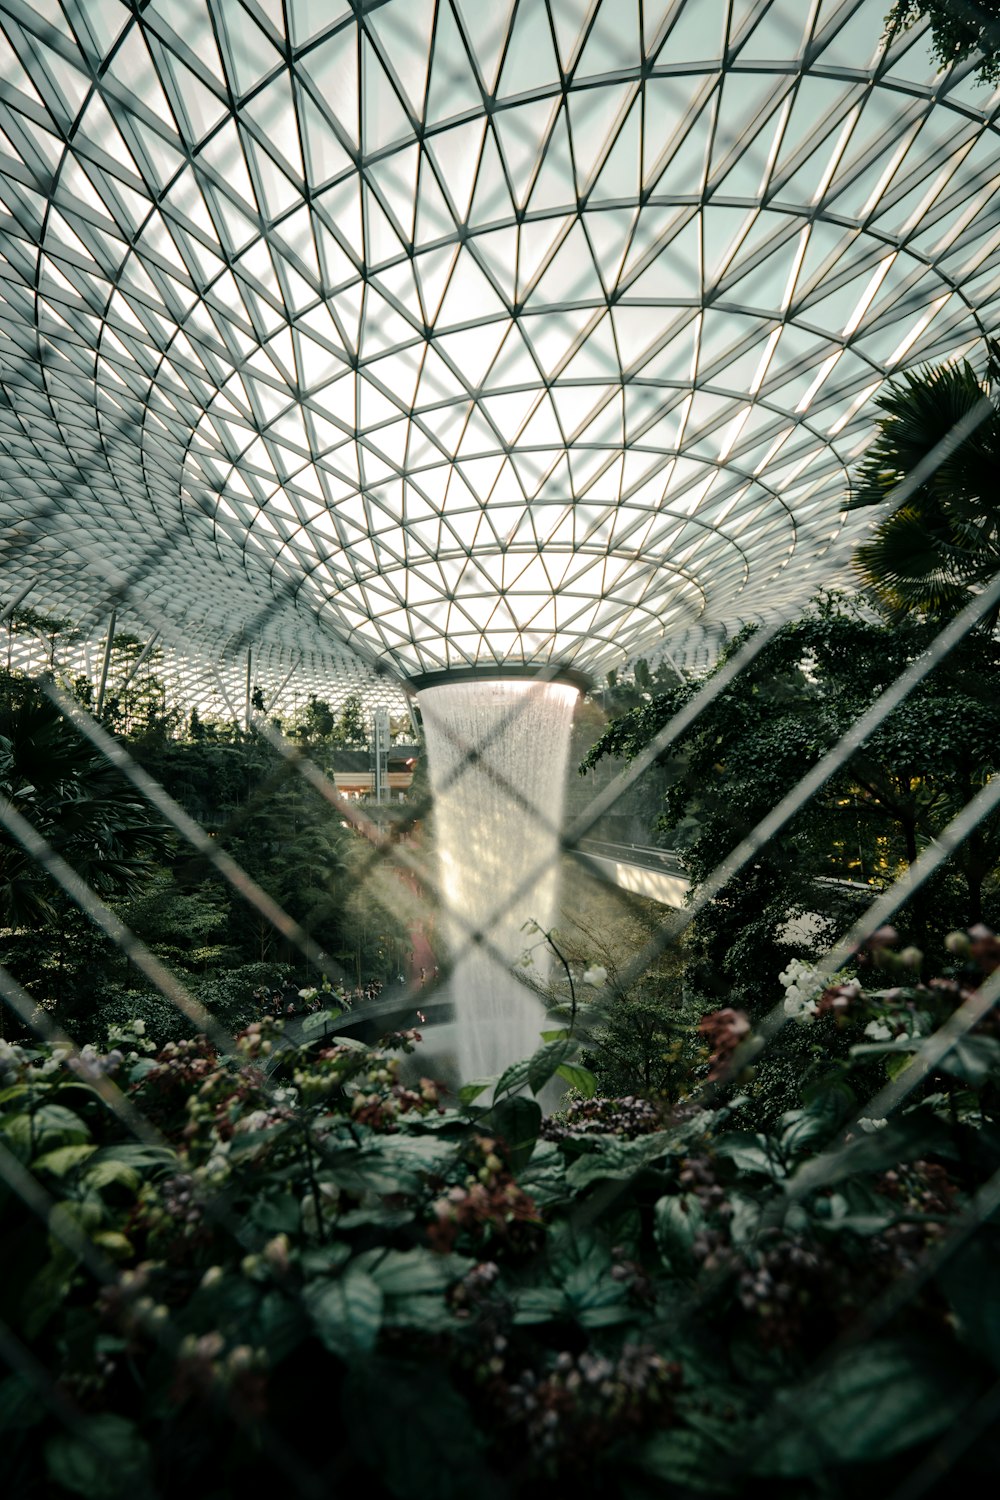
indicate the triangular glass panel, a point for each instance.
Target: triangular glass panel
{"x":469,"y":294}
{"x":530,"y":61}
{"x":571,"y":275}
{"x":332,"y":67}
{"x":250,"y":56}
{"x":456,"y":153}
{"x":569,"y":17}
{"x":613,"y":40}
{"x":340,"y":206}
{"x":554,"y":185}
{"x":594,"y":113}
{"x":382,"y":243}
{"x":698,"y":33}
{"x":385,"y":120}
{"x":619,"y":176}
{"x":405,"y":34}
{"x":454,"y":88}
{"x":486,"y":27}
{"x":536,"y":239}
{"x":497,"y":251}
{"x":675,"y":272}
{"x":597,"y":358}
{"x":521,"y":131}
{"x":434,"y":217}
{"x":472,"y":351}
{"x":491,"y":199}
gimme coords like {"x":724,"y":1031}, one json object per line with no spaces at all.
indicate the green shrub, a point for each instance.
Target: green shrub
{"x":228,"y":996}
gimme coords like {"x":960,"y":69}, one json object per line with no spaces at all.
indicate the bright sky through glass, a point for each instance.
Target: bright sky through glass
{"x":523,"y":331}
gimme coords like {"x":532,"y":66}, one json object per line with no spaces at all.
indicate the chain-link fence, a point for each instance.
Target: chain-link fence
{"x":161,"y":1331}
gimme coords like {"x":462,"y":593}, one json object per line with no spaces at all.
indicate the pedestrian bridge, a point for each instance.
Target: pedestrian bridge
{"x":656,"y":874}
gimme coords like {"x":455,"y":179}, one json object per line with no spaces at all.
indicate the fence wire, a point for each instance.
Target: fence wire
{"x":385,"y":853}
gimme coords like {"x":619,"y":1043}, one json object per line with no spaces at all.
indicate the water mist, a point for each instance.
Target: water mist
{"x":498,"y":753}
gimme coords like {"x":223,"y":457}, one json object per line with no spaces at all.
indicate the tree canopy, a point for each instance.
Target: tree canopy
{"x":754,"y":743}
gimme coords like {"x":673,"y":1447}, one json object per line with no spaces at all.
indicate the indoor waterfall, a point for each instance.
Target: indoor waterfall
{"x":498,"y":752}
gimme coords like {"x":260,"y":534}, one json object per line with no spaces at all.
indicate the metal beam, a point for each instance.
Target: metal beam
{"x":147,"y":648}
{"x":286,"y":680}
{"x":9,"y":609}
{"x":106,"y":663}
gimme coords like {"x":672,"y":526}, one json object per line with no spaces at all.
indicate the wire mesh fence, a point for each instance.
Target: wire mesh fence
{"x":162,"y":1326}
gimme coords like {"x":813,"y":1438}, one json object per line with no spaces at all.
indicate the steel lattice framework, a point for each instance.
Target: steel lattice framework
{"x":434,"y":333}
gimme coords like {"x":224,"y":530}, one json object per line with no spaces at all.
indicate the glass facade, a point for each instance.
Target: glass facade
{"x":434,"y":333}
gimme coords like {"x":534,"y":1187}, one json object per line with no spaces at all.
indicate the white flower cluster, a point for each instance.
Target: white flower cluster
{"x":802,"y":983}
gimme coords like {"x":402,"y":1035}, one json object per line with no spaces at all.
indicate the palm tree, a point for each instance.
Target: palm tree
{"x":942,"y":544}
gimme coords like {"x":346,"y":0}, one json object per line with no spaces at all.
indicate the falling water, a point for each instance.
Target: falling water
{"x":498,"y":753}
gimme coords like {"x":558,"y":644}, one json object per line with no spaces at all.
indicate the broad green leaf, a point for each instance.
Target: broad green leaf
{"x":135,"y":1155}
{"x":62,"y":1160}
{"x":347,"y":1312}
{"x":514,"y":1077}
{"x":470,"y":1092}
{"x":802,"y":1128}
{"x":114,"y":1243}
{"x":400,"y":1273}
{"x":372,"y":1170}
{"x":749,"y":1153}
{"x":974,"y":1059}
{"x":517,"y":1120}
{"x":248,"y":1141}
{"x":579,"y":1078}
{"x":282,"y":1325}
{"x":910,"y":1136}
{"x":55,"y":1121}
{"x":544,"y":1177}
{"x":685,"y":1460}
{"x":375,"y":1218}
{"x":581,"y":1263}
{"x":608,"y":1156}
{"x":539,"y":1304}
{"x":426,"y":1311}
{"x":106,"y":1459}
{"x":556,"y":1036}
{"x":676,"y":1221}
{"x":349,"y":1043}
{"x":276,"y":1213}
{"x":547,"y":1061}
{"x":872,"y":1402}
{"x":316,"y":1024}
{"x":102,"y":1174}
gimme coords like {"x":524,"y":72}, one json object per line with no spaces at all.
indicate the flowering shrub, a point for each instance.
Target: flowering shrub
{"x":288,"y":1265}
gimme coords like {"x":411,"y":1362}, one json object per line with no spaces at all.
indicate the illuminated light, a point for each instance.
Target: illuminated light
{"x":868,"y":295}
{"x":854,"y":407}
{"x":765,"y":360}
{"x":917,"y":329}
{"x":821,"y":375}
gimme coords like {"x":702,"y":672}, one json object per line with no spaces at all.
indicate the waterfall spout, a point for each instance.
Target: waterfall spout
{"x":498,"y":752}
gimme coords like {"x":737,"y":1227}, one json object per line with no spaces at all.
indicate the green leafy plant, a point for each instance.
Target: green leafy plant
{"x":304,"y":1252}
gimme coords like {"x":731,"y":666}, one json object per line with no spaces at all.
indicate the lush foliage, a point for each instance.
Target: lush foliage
{"x":960,"y":29}
{"x":75,"y":800}
{"x":260,"y":810}
{"x":942,"y":542}
{"x":306,"y":1269}
{"x":805,"y":688}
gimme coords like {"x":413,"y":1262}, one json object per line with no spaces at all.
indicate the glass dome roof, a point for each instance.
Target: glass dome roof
{"x":446,"y":333}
